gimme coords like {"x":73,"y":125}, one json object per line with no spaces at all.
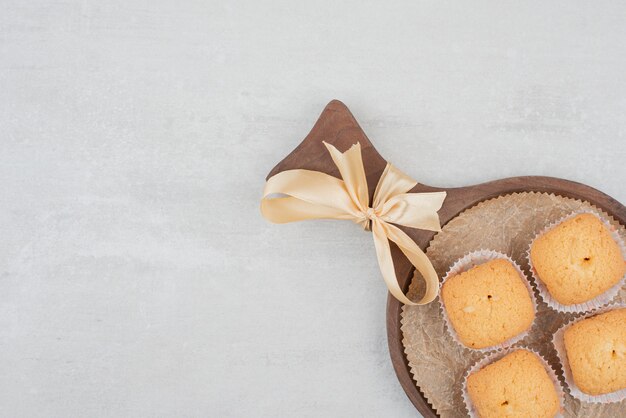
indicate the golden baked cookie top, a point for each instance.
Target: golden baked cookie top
{"x":577,"y":260}
{"x":517,"y":385}
{"x":596,"y":352}
{"x":488,"y":304}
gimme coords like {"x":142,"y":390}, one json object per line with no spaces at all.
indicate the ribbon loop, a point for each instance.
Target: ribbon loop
{"x":309,"y":194}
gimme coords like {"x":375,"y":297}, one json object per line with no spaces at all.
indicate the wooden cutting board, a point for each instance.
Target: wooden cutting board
{"x":337,"y":126}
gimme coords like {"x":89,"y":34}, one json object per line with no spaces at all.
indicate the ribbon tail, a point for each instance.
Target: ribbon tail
{"x":384,"y":232}
{"x":416,"y":210}
{"x":385,"y":262}
{"x":350,"y":165}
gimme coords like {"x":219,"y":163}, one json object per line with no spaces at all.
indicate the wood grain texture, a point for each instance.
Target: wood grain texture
{"x":337,"y":126}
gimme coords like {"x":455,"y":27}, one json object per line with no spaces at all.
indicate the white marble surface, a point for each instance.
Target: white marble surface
{"x":137,"y":277}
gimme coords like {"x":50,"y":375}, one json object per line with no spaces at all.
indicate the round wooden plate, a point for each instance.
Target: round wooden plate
{"x":337,"y":126}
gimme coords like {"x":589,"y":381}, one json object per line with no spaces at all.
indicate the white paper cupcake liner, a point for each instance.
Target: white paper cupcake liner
{"x":465,"y":263}
{"x":592,"y":304}
{"x":490,"y":358}
{"x":559,"y":345}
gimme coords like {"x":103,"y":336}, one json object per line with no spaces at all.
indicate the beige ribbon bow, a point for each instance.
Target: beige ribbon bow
{"x":315,"y":195}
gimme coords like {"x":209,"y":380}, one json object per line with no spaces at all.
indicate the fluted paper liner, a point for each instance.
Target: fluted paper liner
{"x":474,"y":259}
{"x":506,"y":224}
{"x":598,"y":301}
{"x":570,"y":385}
{"x":493,"y":357}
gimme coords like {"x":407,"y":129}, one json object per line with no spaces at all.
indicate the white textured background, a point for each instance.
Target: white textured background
{"x":137,"y":277}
